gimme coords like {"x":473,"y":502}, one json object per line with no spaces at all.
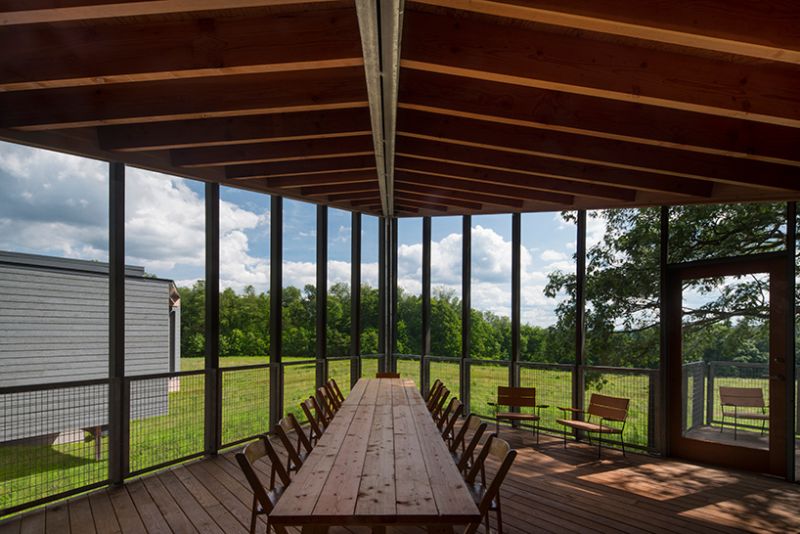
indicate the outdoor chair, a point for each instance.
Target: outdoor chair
{"x":433,"y":398}
{"x":448,"y":419}
{"x":296,"y":452}
{"x":604,"y":409}
{"x":387,"y":375}
{"x":264,"y":500}
{"x":437,"y":384}
{"x":333,"y":398}
{"x":467,"y":439}
{"x":316,"y":419}
{"x":486,"y":490}
{"x":438,"y":409}
{"x":336,"y":389}
{"x":747,"y":403}
{"x":325,"y":403}
{"x":512,"y":397}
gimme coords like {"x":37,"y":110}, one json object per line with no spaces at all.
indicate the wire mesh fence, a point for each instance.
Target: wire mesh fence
{"x":447,"y":370}
{"x":299,"y":381}
{"x":408,"y":365}
{"x":553,"y":383}
{"x":166,"y":419}
{"x":339,"y":370}
{"x":737,"y":375}
{"x":51,"y":442}
{"x":245,"y":402}
{"x":484,"y":378}
{"x":370,"y":363}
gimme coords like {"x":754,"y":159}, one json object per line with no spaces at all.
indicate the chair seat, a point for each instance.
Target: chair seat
{"x":748,"y":415}
{"x":589,"y":427}
{"x":518,"y":416}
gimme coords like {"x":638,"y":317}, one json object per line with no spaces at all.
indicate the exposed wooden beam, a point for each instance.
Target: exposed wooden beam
{"x":318,"y":179}
{"x":333,"y":189}
{"x":402,"y":209}
{"x":763,"y":30}
{"x":404,"y":195}
{"x":274,"y":151}
{"x":478,"y":184}
{"x":66,"y":55}
{"x":283,"y":168}
{"x":408,"y":200}
{"x":512,"y":177}
{"x":362,"y":196}
{"x":598,"y":117}
{"x":533,"y":141}
{"x":556,"y":168}
{"x":236,"y":130}
{"x":423,"y":185}
{"x":216,"y":96}
{"x":15,"y":12}
{"x":575,"y":64}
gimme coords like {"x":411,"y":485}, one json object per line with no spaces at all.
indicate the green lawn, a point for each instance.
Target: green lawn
{"x":28,"y":472}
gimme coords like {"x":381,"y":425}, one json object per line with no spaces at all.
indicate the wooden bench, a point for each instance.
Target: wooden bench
{"x":512,"y":397}
{"x":604,"y":409}
{"x":747,"y":398}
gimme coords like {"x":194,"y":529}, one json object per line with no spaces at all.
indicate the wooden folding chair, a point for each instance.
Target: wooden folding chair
{"x":325,"y":403}
{"x":333,"y":398}
{"x":467,"y":439}
{"x":316,"y":419}
{"x":296,"y":452}
{"x":436,"y":385}
{"x":450,"y":415}
{"x":387,"y":375}
{"x":336,"y":389}
{"x":433,"y":398}
{"x":264,"y":500}
{"x":486,"y":493}
{"x":438,"y":409}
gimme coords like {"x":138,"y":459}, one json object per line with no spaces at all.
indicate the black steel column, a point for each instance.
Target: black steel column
{"x":578,"y":385}
{"x":213,"y":397}
{"x":791,"y":370}
{"x":426,"y":300}
{"x":391,"y":363}
{"x":119,"y":399}
{"x":275,"y":311}
{"x":322,"y":295}
{"x":662,"y":410}
{"x":355,"y":297}
{"x":466,"y":307}
{"x":516,"y":297}
{"x":383,"y":309}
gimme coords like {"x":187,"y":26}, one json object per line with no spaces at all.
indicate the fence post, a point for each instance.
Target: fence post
{"x":652,"y":399}
{"x":710,"y":395}
{"x":684,"y":398}
{"x":425,"y":374}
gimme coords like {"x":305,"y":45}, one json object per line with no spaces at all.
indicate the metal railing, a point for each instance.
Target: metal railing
{"x":245,"y":402}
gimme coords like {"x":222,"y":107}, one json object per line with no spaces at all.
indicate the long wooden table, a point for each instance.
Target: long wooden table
{"x":382,"y":461}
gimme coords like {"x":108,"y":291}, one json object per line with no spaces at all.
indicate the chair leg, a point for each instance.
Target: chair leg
{"x":599,"y":446}
{"x":565,"y":436}
{"x":488,"y":529}
{"x":253,"y":514}
{"x":499,"y":516}
{"x":623,"y":444}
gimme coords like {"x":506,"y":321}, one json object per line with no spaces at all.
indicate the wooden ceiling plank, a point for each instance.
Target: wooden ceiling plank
{"x":369,"y":196}
{"x":576,"y":64}
{"x":408,"y":200}
{"x":318,"y":179}
{"x":277,"y":127}
{"x":283,"y":168}
{"x":437,"y":199}
{"x":764,"y":30}
{"x":441,"y":150}
{"x":94,"y":9}
{"x":216,"y":96}
{"x":479,"y":184}
{"x":411,"y":186}
{"x":274,"y":151}
{"x":68,"y":55}
{"x":597,"y":117}
{"x":332,"y":189}
{"x":605,"y":152}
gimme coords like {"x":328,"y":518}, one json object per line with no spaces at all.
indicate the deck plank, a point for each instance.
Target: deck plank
{"x":148,"y":511}
{"x":128,"y":517}
{"x":172,"y":513}
{"x":105,"y":520}
{"x":80,"y":517}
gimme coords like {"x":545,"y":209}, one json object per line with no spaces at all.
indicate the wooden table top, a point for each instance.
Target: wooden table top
{"x":381,"y":461}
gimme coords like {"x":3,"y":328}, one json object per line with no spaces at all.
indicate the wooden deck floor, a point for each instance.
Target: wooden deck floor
{"x":549,"y":490}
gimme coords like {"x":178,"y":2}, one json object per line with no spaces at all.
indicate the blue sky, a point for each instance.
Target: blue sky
{"x":56,"y":204}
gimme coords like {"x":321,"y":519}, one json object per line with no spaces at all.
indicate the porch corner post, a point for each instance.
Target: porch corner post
{"x":791,"y":363}
{"x":118,"y":391}
{"x":426,"y":302}
{"x":355,"y":298}
{"x":391,"y":362}
{"x":322,"y":296}
{"x":383,"y":308}
{"x":275,"y":311}
{"x":579,"y":383}
{"x":662,"y":408}
{"x":213,"y":397}
{"x":516,"y":298}
{"x":466,"y":307}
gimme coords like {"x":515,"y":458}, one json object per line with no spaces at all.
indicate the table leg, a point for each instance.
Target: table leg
{"x":440,"y":529}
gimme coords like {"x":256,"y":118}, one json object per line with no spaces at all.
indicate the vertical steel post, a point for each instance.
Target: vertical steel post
{"x":579,"y":382}
{"x":355,"y":297}
{"x":213,"y":397}
{"x":383,"y":309}
{"x":516,"y":298}
{"x":466,"y":308}
{"x":425,"y":349}
{"x":275,"y":311}
{"x":662,"y":407}
{"x":322,"y":296}
{"x":391,"y":362}
{"x":119,"y":398}
{"x":791,"y":369}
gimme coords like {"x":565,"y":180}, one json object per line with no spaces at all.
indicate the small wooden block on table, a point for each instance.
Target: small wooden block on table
{"x":366,"y":469}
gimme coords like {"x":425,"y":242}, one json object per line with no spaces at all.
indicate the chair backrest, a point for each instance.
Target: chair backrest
{"x":387,"y":375}
{"x":324,"y":402}
{"x":609,"y":408}
{"x":316,"y":419}
{"x":502,"y":452}
{"x":436,"y":384}
{"x":434,"y":396}
{"x":451,"y":413}
{"x":439,"y":406}
{"x":336,"y":389}
{"x":523,"y":397}
{"x":283,"y":430}
{"x":303,"y":443}
{"x":742,"y":397}
{"x":252,"y":453}
{"x":333,"y":399}
{"x":475,"y":425}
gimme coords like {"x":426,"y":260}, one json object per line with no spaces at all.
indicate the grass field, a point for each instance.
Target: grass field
{"x":29,"y":472}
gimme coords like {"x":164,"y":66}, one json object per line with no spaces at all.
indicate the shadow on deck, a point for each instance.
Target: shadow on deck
{"x":549,"y":490}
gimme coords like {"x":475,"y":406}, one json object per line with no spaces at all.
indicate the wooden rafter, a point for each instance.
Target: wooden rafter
{"x":410,"y":183}
{"x":333,"y":189}
{"x":318,"y":179}
{"x":283,"y":168}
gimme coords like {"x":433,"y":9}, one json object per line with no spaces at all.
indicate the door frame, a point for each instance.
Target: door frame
{"x":774,"y":461}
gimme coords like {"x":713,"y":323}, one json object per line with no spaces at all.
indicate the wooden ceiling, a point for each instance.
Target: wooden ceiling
{"x":476,"y":106}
